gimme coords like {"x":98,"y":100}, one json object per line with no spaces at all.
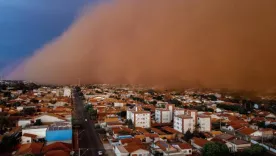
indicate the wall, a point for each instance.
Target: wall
{"x":166,"y":117}
{"x":158,"y":116}
{"x":177,"y":124}
{"x":40,"y":132}
{"x":142,"y":120}
{"x":25,"y":140}
{"x":188,"y":124}
{"x":205,"y":124}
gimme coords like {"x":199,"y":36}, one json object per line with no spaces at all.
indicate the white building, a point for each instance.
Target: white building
{"x":204,"y":123}
{"x":24,"y":122}
{"x":163,"y":115}
{"x":40,"y":131}
{"x":193,"y":114}
{"x":183,"y":123}
{"x":171,"y":108}
{"x":139,"y":117}
{"x":67,"y":92}
{"x":185,"y":148}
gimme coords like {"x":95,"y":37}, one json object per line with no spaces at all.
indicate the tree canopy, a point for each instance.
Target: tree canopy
{"x":254,"y":150}
{"x":215,"y":149}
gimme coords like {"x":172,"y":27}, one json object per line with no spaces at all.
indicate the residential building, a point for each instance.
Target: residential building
{"x":204,"y":123}
{"x":237,"y":145}
{"x":245,"y":133}
{"x":265,"y":133}
{"x":171,"y":108}
{"x":198,"y":143}
{"x":139,"y":117}
{"x":131,"y":150}
{"x":193,"y":114}
{"x":183,"y":123}
{"x":67,"y":92}
{"x":185,"y":148}
{"x":162,"y":115}
{"x":165,"y":148}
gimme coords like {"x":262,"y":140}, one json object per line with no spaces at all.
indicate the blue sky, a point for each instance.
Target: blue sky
{"x":26,"y":25}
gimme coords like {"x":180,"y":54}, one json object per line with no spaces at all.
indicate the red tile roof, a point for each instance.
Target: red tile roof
{"x":169,"y":129}
{"x":33,"y":148}
{"x":246,"y":131}
{"x":133,"y":148}
{"x":58,"y":146}
{"x":57,"y":153}
{"x":199,"y":141}
{"x":129,"y":140}
{"x":185,"y":146}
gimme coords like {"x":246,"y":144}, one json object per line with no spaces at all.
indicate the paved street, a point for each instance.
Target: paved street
{"x":89,"y":141}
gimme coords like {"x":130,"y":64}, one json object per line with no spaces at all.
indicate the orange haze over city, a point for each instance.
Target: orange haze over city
{"x":178,"y":43}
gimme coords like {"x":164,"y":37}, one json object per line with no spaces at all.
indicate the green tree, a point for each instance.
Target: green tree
{"x":38,"y":122}
{"x":4,"y":122}
{"x":130,"y":124}
{"x":29,"y":111}
{"x":261,"y":124}
{"x":215,"y":149}
{"x":122,"y":114}
{"x":93,"y":113}
{"x":2,"y":102}
{"x":122,"y":132}
{"x":210,"y":110}
{"x":8,"y":143}
{"x":188,"y":136}
{"x":254,"y":150}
